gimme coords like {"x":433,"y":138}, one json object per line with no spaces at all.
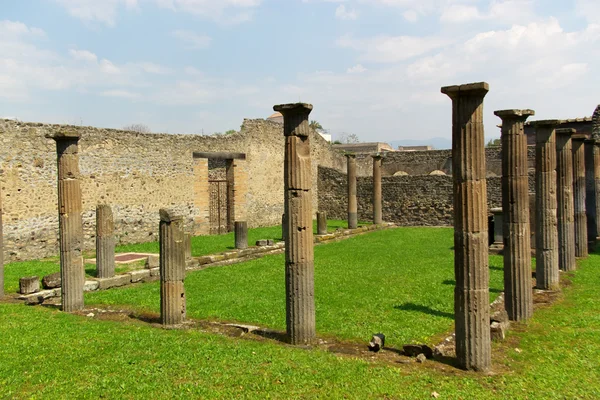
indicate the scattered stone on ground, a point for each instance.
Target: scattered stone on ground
{"x":421,"y":358}
{"x":377,"y":342}
{"x":262,"y":242}
{"x":413,"y":350}
{"x":29,"y":285}
{"x":51,"y":281}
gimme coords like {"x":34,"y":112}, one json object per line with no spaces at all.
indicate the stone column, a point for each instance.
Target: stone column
{"x":515,"y":205}
{"x":1,"y":249}
{"x":471,"y":294}
{"x":377,"y":200}
{"x":597,"y":184}
{"x":565,"y":209}
{"x":581,"y":238}
{"x":322,"y":223}
{"x":299,"y":253}
{"x":172,"y":268}
{"x":592,"y":172}
{"x":498,"y":215}
{"x":241,"y":235}
{"x":70,"y":223}
{"x":105,"y":242}
{"x":546,"y":235}
{"x":352,"y":201}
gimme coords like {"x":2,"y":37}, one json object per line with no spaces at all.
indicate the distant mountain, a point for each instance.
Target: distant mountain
{"x":438,"y":143}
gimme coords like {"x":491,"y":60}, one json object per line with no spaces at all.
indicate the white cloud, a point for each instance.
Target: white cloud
{"x":120,"y":93}
{"x":410,"y":15}
{"x":224,"y":11}
{"x":508,"y":11}
{"x":357,"y":69}
{"x":83,"y":55}
{"x":103,"y":11}
{"x":191,"y":39}
{"x":345,"y":14}
{"x":108,"y":67}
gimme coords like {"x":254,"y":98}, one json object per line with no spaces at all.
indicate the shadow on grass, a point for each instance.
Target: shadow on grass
{"x":273,"y":335}
{"x":91,"y":271}
{"x":424,"y":309}
{"x":452,"y":282}
{"x":495,"y":268}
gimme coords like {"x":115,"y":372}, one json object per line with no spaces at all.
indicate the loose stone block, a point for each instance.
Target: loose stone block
{"x":155,"y":271}
{"x":115,"y":281}
{"x":565,"y":211}
{"x":352,"y":200}
{"x":262,"y":242}
{"x":515,"y":207}
{"x":299,"y":253}
{"x":377,"y":198}
{"x":322,"y":223}
{"x":29,"y":284}
{"x":140,"y":275}
{"x":152,"y":262}
{"x":581,"y":238}
{"x":546,"y":203}
{"x":105,"y":242}
{"x":172,"y":268}
{"x":241,"y":234}
{"x":70,"y":220}
{"x":471,"y":294}
{"x":90,"y":286}
{"x":51,"y":281}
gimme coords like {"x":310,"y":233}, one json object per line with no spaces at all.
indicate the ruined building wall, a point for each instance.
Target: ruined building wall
{"x":137,"y":174}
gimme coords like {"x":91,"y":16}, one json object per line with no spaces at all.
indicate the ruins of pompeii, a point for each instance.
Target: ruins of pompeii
{"x":80,"y":199}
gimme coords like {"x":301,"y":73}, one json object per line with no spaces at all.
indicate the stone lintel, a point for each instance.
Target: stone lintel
{"x":64,"y":135}
{"x":480,"y":88}
{"x":167,"y":215}
{"x":514,"y":114}
{"x":219,"y":155}
{"x":579,"y":136}
{"x":566,"y":131}
{"x":549,"y":123}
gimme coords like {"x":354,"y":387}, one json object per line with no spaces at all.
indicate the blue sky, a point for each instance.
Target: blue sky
{"x":370,"y":67}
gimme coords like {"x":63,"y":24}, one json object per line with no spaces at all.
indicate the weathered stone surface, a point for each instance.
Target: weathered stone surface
{"x":352,"y":200}
{"x":90,"y":286}
{"x":471,"y":295}
{"x":592,"y":172}
{"x":241,"y":234}
{"x":139,"y":275}
{"x":152,"y":262}
{"x":172,"y":268}
{"x":546,"y":271}
{"x":155,"y":271}
{"x":51,"y":281}
{"x":377,"y":342}
{"x":299,"y":255}
{"x":70,"y":220}
{"x":413,"y":350}
{"x":29,"y":284}
{"x":322,"y":223}
{"x":515,"y":224}
{"x":187,"y":246}
{"x":105,"y":242}
{"x":581,"y":238}
{"x":564,"y":190}
{"x":39,"y":297}
{"x":377,"y":199}
{"x":270,"y":242}
{"x":1,"y":250}
{"x":262,"y":242}
{"x":498,"y":330}
{"x":421,"y":358}
{"x":115,"y":281}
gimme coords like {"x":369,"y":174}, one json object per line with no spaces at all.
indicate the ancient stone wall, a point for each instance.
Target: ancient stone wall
{"x":137,"y":174}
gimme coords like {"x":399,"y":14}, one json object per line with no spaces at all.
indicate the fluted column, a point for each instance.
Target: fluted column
{"x":241,"y":234}
{"x":299,"y":254}
{"x":581,"y":238}
{"x":565,"y":209}
{"x":546,"y":247}
{"x":352,"y":201}
{"x":471,"y":294}
{"x":591,"y":201}
{"x":172,"y":268}
{"x":1,"y":250}
{"x":322,"y":223}
{"x":518,"y":297}
{"x":105,"y":242}
{"x":70,"y":223}
{"x":377,"y":218}
{"x":597,"y":184}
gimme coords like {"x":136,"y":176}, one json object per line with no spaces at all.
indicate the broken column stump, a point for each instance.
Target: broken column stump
{"x":498,"y":218}
{"x":172,"y":268}
{"x":546,"y":220}
{"x":105,"y":242}
{"x":299,"y":252}
{"x":471,"y":293}
{"x":515,"y":206}
{"x":29,"y":285}
{"x":70,"y":224}
{"x":241,"y":234}
{"x":352,"y":201}
{"x":322,"y":223}
{"x":565,"y":210}
{"x":377,"y":199}
{"x":581,"y":238}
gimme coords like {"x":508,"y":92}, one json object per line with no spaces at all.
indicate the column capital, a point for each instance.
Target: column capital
{"x":293,"y":116}
{"x":350,"y":155}
{"x":566,"y":131}
{"x":519,"y":115}
{"x":64,"y":135}
{"x":578,"y":137}
{"x":546,"y":123}
{"x":168,"y":215}
{"x":377,"y":156}
{"x":468,"y":89}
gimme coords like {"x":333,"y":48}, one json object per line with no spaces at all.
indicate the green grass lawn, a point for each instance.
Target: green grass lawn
{"x":49,"y":354}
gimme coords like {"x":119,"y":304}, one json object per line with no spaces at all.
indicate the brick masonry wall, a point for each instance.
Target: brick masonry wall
{"x":137,"y":174}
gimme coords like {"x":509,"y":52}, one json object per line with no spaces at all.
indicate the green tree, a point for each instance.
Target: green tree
{"x":493,"y":143}
{"x":315,"y":125}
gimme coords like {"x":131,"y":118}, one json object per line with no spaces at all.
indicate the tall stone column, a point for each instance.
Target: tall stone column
{"x":299,"y":253}
{"x":352,"y":201}
{"x":471,"y":294}
{"x":564,"y":190}
{"x":377,"y":200}
{"x":105,"y":242}
{"x":70,"y":223}
{"x":172,"y":268}
{"x":597,"y":184}
{"x":592,"y":172}
{"x":546,"y":247}
{"x":518,"y":297}
{"x":1,"y":249}
{"x":581,"y":238}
